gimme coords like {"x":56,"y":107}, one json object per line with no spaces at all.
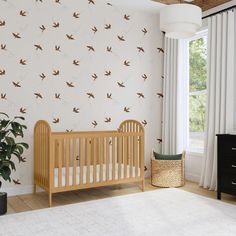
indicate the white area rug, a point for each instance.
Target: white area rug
{"x":161,"y":212}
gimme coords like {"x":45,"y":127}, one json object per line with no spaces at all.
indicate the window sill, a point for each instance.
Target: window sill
{"x":197,"y":153}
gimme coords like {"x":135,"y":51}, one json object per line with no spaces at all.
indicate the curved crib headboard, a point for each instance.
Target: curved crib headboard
{"x":42,"y":133}
{"x":131,"y":126}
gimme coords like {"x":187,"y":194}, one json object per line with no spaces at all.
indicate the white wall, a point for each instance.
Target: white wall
{"x":46,"y":61}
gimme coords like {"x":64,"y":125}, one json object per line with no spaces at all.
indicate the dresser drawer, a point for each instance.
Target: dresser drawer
{"x":228,"y":164}
{"x":228,"y":181}
{"x":228,"y":148}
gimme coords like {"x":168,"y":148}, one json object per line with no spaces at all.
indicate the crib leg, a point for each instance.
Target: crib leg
{"x":49,"y":199}
{"x":35,"y":189}
{"x":143,"y":185}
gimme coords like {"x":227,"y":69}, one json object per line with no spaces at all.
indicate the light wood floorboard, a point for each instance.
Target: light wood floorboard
{"x":30,"y":202}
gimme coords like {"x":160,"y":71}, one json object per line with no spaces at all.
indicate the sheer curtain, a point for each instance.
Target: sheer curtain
{"x":174,"y":100}
{"x":221,"y":63}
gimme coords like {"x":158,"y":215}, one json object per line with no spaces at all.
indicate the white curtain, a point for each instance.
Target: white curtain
{"x":174,"y":100}
{"x":221,"y":63}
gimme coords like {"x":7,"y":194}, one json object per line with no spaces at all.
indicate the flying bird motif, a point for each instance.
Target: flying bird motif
{"x":76,"y":62}
{"x":76,"y":110}
{"x":159,"y":140}
{"x":3,"y":96}
{"x":162,"y":77}
{"x":140,"y":49}
{"x":121,"y":38}
{"x":126,"y":63}
{"x":90,"y":48}
{"x":70,"y":84}
{"x":57,"y":95}
{"x":22,"y":110}
{"x":23,"y":62}
{"x":107,"y":26}
{"x":57,"y":48}
{"x":76,"y":15}
{"x":109,"y":95}
{"x":144,"y":122}
{"x":121,"y":84}
{"x":56,"y":120}
{"x":16,"y":181}
{"x":38,"y":95}
{"x":42,"y":76}
{"x":94,"y":76}
{"x":2,"y":72}
{"x":160,"y":95}
{"x":126,"y":17}
{"x":144,"y":30}
{"x":107,"y":120}
{"x":126,"y":109}
{"x":56,"y":25}
{"x":91,"y":1}
{"x":107,"y":73}
{"x":94,"y":123}
{"x":70,"y":37}
{"x":109,"y":4}
{"x":56,"y":72}
{"x":145,"y":168}
{"x":140,"y":95}
{"x":69,"y":130}
{"x":160,"y":50}
{"x":3,"y":47}
{"x":16,"y":84}
{"x":144,"y":76}
{"x":17,"y":35}
{"x":23,"y":13}
{"x":109,"y":49}
{"x":57,"y":1}
{"x":38,"y":47}
{"x":94,"y":29}
{"x":2,"y":23}
{"x":42,"y":27}
{"x":90,"y":95}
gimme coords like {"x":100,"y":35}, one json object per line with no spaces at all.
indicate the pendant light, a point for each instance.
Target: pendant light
{"x":180,"y":20}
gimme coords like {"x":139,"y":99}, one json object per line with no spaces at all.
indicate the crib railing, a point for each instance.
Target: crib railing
{"x":90,"y":153}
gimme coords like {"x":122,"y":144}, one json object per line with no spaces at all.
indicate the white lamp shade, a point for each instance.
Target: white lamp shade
{"x":180,"y":20}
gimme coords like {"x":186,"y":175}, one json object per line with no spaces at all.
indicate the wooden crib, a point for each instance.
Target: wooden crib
{"x":65,"y":161}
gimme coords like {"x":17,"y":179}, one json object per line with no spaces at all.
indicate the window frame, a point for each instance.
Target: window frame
{"x":193,"y":151}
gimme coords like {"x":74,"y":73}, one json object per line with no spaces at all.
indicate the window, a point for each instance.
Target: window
{"x":197,"y":73}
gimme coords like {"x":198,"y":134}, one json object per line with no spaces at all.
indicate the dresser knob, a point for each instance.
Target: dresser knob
{"x":233,"y":183}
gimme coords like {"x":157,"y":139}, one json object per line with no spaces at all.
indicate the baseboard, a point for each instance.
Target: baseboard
{"x":18,"y":190}
{"x":192,"y":177}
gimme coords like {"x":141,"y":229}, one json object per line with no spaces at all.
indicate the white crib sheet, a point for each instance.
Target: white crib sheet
{"x":91,"y":174}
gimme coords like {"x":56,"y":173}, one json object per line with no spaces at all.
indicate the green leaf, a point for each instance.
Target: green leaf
{"x":20,"y":117}
{"x":25,"y":145}
{"x":10,"y":141}
{"x":2,"y":113}
{"x":5,"y":172}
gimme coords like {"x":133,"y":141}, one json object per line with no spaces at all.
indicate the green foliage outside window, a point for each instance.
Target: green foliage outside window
{"x":197,"y":84}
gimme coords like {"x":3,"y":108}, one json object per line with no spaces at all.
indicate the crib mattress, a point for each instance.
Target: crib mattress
{"x":63,"y":181}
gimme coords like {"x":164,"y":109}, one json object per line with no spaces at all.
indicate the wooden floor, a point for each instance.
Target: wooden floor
{"x":30,"y":202}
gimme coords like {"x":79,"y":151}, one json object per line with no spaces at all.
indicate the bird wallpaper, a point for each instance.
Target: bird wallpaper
{"x":80,"y":65}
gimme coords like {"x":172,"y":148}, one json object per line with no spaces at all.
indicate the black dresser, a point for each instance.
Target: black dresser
{"x":226,"y":164}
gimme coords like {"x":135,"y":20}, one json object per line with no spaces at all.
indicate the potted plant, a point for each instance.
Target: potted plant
{"x":10,"y":132}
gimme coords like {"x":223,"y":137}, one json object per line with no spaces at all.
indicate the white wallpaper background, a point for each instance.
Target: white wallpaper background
{"x":80,"y":65}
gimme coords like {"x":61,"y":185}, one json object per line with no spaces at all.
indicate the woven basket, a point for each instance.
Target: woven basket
{"x":168,"y":173}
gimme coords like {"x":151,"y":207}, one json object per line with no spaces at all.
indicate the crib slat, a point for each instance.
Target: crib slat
{"x":136,"y":155}
{"x":131,"y":157}
{"x":95,"y":160}
{"x":67,"y":161}
{"x":74,"y":161}
{"x":101,"y":157}
{"x":107,"y":158}
{"x":81,"y":161}
{"x":113,"y":158}
{"x":60,"y":155}
{"x":125,"y":156}
{"x":141,"y":155}
{"x":119,"y":156}
{"x":88,"y":153}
